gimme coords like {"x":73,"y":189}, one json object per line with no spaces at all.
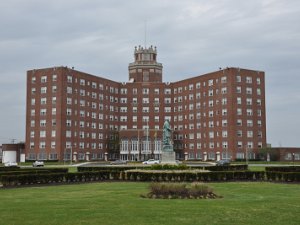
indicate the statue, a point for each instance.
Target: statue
{"x":167,"y":154}
{"x":167,"y":133}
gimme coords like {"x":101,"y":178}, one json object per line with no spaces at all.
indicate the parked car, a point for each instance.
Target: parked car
{"x":118,"y":162}
{"x":10,"y":164}
{"x":223,"y":162}
{"x":151,"y":162}
{"x":38,"y":164}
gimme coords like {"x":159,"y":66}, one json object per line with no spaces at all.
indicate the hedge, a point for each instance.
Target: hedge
{"x":283,"y":169}
{"x":283,"y":176}
{"x":138,"y":175}
{"x":13,"y":168}
{"x":147,"y":175}
{"x":106,"y":168}
{"x":227,"y":168}
{"x":54,"y":178}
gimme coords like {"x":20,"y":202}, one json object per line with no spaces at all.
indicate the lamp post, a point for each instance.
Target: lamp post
{"x":293,"y":155}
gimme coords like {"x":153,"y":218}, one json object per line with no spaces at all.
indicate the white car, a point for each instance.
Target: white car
{"x":38,"y":164}
{"x":151,"y":162}
{"x":10,"y":164}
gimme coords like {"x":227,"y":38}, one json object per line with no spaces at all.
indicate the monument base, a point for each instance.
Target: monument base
{"x":168,"y":158}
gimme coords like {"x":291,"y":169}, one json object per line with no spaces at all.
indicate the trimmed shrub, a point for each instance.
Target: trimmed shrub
{"x":283,"y":169}
{"x":227,"y":168}
{"x":283,"y":176}
{"x":168,"y":167}
{"x":105,"y":168}
{"x":180,"y":190}
{"x":13,"y":168}
{"x":191,"y":176}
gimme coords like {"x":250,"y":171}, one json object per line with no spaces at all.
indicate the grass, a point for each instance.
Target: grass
{"x":112,"y":203}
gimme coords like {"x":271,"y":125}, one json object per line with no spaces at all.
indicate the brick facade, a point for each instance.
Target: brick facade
{"x":216,"y":115}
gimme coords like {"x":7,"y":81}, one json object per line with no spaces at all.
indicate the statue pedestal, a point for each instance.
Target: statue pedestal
{"x":168,"y":155}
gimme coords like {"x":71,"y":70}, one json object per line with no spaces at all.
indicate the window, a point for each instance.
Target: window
{"x":42,"y":144}
{"x":239,"y":133}
{"x":42,"y":123}
{"x":238,"y":78}
{"x":54,"y":77}
{"x":224,"y":101}
{"x":224,"y":144}
{"x":249,"y":80}
{"x":42,"y":133}
{"x":145,"y":91}
{"x":249,"y":123}
{"x":69,"y":79}
{"x":53,"y":133}
{"x":239,"y":122}
{"x":258,"y":80}
{"x":123,"y":91}
{"x":69,"y":90}
{"x":82,"y":82}
{"x":249,"y":90}
{"x":224,"y":123}
{"x":68,"y":133}
{"x":258,"y":101}
{"x":224,"y":90}
{"x":238,"y":89}
{"x":258,"y":91}
{"x":249,"y":134}
{"x":123,"y":100}
{"x":82,"y":92}
{"x":134,"y":91}
{"x":249,"y":101}
{"x":258,"y":112}
{"x":167,"y":91}
{"x":68,"y":123}
{"x":239,"y":100}
{"x":43,"y":79}
{"x":43,"y":112}
{"x":145,"y":100}
{"x":94,"y":85}
{"x":239,"y":111}
{"x":224,"y":112}
{"x":43,"y":90}
{"x":33,"y":79}
{"x":145,"y":109}
{"x":69,"y":112}
{"x":33,"y":90}
{"x":223,"y":80}
{"x":249,"y":112}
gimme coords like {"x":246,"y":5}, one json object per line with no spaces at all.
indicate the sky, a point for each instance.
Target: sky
{"x":193,"y":37}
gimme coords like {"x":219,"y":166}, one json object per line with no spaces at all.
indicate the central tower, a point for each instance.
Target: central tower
{"x":145,"y":68}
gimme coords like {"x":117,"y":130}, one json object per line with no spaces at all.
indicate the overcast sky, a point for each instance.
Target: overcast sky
{"x":193,"y":37}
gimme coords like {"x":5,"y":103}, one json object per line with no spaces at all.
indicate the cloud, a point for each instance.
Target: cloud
{"x":193,"y":37}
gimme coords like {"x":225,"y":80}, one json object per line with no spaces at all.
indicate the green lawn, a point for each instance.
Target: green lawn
{"x":119,"y":203}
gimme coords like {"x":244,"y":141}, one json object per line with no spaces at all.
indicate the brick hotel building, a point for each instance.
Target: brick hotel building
{"x":72,"y":114}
